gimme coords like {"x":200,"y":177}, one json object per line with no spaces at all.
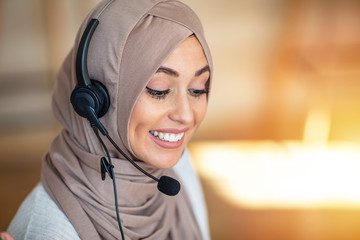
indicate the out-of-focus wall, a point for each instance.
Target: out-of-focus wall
{"x":35,"y":36}
{"x":283,"y":69}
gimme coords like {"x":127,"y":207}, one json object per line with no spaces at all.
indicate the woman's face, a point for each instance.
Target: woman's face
{"x":172,"y":106}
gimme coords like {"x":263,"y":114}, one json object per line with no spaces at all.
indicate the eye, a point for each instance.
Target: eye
{"x":198,"y":92}
{"x":158,"y":94}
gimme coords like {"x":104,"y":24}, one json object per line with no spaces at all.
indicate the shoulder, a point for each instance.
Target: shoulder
{"x":40,"y":218}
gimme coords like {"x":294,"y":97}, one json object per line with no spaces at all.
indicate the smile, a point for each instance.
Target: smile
{"x":168,"y":137}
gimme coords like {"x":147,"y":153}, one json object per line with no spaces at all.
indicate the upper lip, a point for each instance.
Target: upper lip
{"x":171,"y":130}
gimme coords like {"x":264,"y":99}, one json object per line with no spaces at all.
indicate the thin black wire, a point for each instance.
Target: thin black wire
{"x":130,"y":160}
{"x":113,"y":179}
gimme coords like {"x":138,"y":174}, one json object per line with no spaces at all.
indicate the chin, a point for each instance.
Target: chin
{"x":165,"y":161}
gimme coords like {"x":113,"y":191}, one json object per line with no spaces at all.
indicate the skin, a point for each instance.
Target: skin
{"x":174,"y":101}
{"x":6,"y":236}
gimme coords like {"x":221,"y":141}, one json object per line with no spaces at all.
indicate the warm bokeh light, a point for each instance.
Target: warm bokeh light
{"x":317,"y":126}
{"x":287,"y":174}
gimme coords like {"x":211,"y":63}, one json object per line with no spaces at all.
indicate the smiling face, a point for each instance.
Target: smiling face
{"x":171,"y":107}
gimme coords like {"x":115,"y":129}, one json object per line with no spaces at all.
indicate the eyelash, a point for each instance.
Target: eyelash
{"x":162,"y":94}
{"x":198,"y":92}
{"x":157,"y":94}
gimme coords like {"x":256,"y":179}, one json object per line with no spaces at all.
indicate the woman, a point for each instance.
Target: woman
{"x":155,"y":64}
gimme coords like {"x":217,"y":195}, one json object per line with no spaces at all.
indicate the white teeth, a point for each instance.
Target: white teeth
{"x":172,"y":138}
{"x":169,"y":137}
{"x":161,"y":135}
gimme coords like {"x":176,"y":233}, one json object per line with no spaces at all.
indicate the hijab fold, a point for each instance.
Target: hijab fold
{"x":130,"y":43}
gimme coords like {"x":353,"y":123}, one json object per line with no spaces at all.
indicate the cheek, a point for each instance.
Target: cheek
{"x":143,"y":118}
{"x":200,"y":109}
{"x":137,"y":123}
{"x":145,"y":114}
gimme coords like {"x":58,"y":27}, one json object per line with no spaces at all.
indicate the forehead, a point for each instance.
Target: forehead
{"x":188,"y":51}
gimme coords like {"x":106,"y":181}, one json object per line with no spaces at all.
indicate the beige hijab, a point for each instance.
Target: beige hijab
{"x":132,"y":40}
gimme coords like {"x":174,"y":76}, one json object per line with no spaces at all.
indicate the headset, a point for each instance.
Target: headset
{"x":90,"y":99}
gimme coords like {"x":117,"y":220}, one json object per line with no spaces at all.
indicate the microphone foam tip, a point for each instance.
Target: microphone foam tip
{"x":168,"y":186}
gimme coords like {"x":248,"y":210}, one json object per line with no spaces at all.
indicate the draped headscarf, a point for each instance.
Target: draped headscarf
{"x":132,"y":40}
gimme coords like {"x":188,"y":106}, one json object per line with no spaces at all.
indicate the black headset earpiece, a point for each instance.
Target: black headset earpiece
{"x":90,"y":98}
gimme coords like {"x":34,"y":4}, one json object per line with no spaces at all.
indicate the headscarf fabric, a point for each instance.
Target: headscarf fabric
{"x":130,"y":43}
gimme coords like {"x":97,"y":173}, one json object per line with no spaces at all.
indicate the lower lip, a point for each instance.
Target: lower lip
{"x":166,"y":144}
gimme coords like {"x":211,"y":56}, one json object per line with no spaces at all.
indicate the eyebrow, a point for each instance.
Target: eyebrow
{"x":174,"y":73}
{"x":168,"y":71}
{"x":201,"y":71}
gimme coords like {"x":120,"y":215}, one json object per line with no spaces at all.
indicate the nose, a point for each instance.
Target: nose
{"x":182,"y":110}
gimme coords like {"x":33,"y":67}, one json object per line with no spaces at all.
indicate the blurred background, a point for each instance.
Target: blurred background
{"x":279,"y":151}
